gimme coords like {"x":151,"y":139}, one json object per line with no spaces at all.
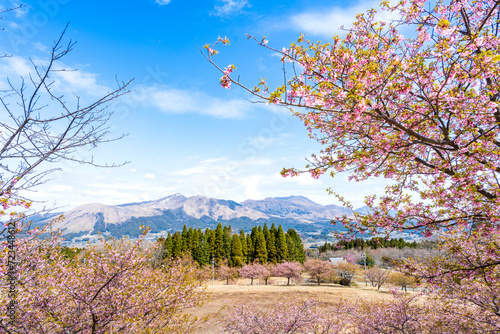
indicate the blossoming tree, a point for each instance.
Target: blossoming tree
{"x":253,"y":270}
{"x":420,"y":110}
{"x":290,"y":270}
{"x":423,"y":111}
{"x":115,"y":289}
{"x":318,"y":269}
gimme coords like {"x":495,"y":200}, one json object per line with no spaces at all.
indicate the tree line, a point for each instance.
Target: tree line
{"x":262,"y":244}
{"x":373,"y":243}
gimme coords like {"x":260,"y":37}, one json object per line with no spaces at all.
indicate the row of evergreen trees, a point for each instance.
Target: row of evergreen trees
{"x":372,"y":243}
{"x":262,"y":244}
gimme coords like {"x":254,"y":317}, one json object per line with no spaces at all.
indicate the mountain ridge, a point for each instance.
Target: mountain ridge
{"x":172,"y":212}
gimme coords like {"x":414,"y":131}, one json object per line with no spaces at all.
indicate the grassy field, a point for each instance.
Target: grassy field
{"x":223,"y":298}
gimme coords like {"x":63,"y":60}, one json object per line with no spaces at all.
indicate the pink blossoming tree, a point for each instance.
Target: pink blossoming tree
{"x":290,"y":270}
{"x":285,"y":317}
{"x":253,"y":270}
{"x":116,"y":289}
{"x":423,"y":111}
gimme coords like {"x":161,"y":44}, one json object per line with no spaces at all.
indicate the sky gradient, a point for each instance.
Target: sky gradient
{"x":186,"y":134}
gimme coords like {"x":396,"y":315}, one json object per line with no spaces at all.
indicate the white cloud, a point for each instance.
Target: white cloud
{"x":41,"y":47}
{"x":178,"y":101}
{"x":15,"y":65}
{"x":230,"y":7}
{"x":150,"y":176}
{"x":61,"y":188}
{"x":162,"y":2}
{"x":251,"y":185}
{"x":327,"y":22}
{"x":20,"y":12}
{"x":69,"y":82}
{"x":80,"y":81}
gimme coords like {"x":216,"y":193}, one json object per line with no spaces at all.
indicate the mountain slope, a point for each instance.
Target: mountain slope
{"x":172,"y":212}
{"x":297,"y":207}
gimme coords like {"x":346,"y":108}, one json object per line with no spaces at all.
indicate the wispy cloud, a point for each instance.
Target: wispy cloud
{"x":183,"y":101}
{"x":82,"y":83}
{"x":230,"y":7}
{"x":20,"y":12}
{"x":328,"y":22}
{"x":163,"y":2}
{"x":61,"y":188}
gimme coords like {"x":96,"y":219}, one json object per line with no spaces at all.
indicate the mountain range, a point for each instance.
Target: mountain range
{"x":173,"y":212}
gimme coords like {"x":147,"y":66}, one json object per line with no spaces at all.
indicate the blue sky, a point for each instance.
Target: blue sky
{"x":186,"y":133}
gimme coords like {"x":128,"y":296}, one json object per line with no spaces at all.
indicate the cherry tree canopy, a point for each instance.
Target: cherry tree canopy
{"x":421,"y":110}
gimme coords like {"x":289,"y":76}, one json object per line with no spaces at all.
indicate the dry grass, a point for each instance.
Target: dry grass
{"x":224,"y":297}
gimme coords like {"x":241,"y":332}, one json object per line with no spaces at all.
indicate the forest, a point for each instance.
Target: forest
{"x":267,"y":245}
{"x":372,"y":243}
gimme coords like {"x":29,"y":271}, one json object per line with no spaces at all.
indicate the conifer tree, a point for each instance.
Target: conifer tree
{"x":243,"y":242}
{"x":299,"y":247}
{"x":176,"y":244}
{"x":260,"y":251}
{"x":211,"y":242}
{"x":184,"y":238}
{"x":195,"y":240}
{"x":292,"y":251}
{"x":189,"y":240}
{"x":250,"y":249}
{"x":227,"y":242}
{"x":274,"y":230}
{"x":219,"y":244}
{"x":266,"y":234}
{"x":253,"y":236}
{"x":272,"y":254}
{"x":168,"y":245}
{"x":236,"y":259}
{"x":281,"y":245}
{"x":201,"y":253}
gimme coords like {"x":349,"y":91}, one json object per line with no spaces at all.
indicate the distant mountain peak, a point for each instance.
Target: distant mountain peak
{"x":175,"y":210}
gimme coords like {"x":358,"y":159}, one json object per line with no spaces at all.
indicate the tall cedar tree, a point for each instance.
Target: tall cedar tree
{"x":177,"y":244}
{"x":184,"y":237}
{"x":281,"y":246}
{"x":299,"y":247}
{"x":236,"y":259}
{"x":202,"y":251}
{"x":292,"y":251}
{"x":190,"y":240}
{"x":243,"y":241}
{"x":265,"y":229}
{"x":250,"y":249}
{"x":219,"y":244}
{"x":253,"y":236}
{"x":227,"y":242}
{"x":211,"y":242}
{"x":260,"y":251}
{"x":272,"y":254}
{"x":168,"y":246}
